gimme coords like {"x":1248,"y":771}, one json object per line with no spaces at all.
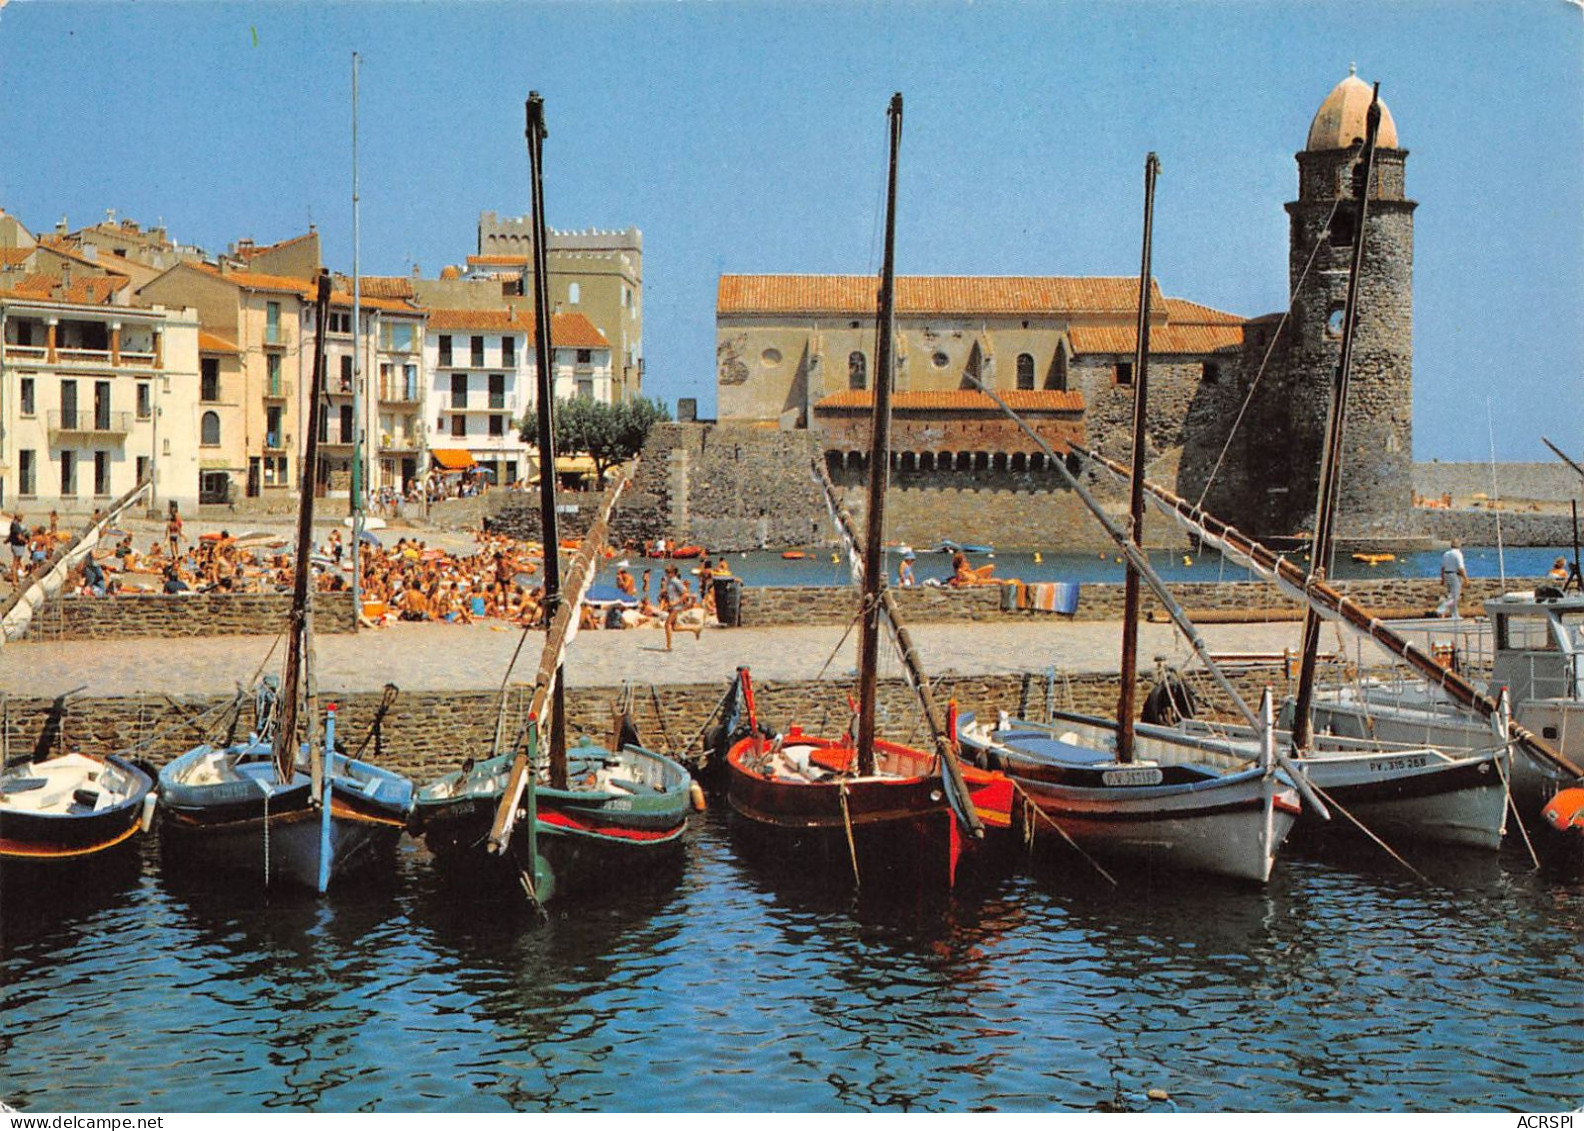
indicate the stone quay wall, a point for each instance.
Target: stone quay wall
{"x":1478,"y":527}
{"x":195,"y":614}
{"x":426,"y":734}
{"x":249,"y":614}
{"x":1553,"y":482}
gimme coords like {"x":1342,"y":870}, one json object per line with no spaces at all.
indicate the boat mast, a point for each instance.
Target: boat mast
{"x":544,"y":356}
{"x":1331,"y":456}
{"x":357,"y":366}
{"x":874,"y":579}
{"x":285,"y":743}
{"x":1131,"y":595}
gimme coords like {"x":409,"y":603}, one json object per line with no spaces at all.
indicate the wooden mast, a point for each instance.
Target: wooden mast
{"x":285,"y":743}
{"x":1331,"y":456}
{"x":874,"y":579}
{"x":1131,"y":596}
{"x":544,"y":358}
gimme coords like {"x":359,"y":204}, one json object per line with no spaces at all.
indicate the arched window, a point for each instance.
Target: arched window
{"x":209,"y":434}
{"x":857,"y":370}
{"x":1025,"y":370}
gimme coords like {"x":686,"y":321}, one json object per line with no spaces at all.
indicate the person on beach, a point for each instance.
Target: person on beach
{"x":17,"y":539}
{"x":173,"y":532}
{"x":676,"y":599}
{"x":625,"y":582}
{"x":1559,"y":570}
{"x":905,"y":571}
{"x":1454,"y":576}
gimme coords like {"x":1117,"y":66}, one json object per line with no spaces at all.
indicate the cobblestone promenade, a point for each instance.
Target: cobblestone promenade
{"x":436,"y":657}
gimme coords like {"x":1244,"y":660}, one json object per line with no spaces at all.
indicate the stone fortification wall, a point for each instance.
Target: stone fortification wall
{"x":1515,"y":482}
{"x":575,"y":513}
{"x":1478,"y":527}
{"x":197,"y":614}
{"x":426,"y":734}
{"x":725,"y":487}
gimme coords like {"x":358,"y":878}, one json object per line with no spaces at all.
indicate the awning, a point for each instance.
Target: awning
{"x":454,"y":459}
{"x":573,"y":465}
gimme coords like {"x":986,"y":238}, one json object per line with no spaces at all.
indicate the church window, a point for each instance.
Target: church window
{"x":1124,"y":373}
{"x":1025,"y":371}
{"x":857,"y":370}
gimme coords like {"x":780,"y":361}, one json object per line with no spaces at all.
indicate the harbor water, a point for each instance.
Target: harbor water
{"x":1344,"y":984}
{"x":820,"y":567}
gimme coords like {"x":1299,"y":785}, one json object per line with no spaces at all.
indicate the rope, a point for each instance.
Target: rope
{"x":828,"y":660}
{"x":1331,"y":801}
{"x":665,"y":731}
{"x":852,"y":848}
{"x":192,"y":721}
{"x":1046,"y":817}
{"x":1270,"y":349}
{"x":1512,"y":806}
{"x":698,"y":734}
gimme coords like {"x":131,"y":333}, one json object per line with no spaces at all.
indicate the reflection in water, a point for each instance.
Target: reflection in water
{"x":1345,"y":984}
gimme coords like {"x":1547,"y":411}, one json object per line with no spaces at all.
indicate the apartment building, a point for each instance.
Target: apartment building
{"x":96,"y":395}
{"x":481,"y":382}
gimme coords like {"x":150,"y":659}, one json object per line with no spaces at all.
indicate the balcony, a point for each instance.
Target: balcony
{"x":100,"y":426}
{"x":274,"y":336}
{"x":399,"y":394}
{"x":277,"y":390}
{"x":275,"y":442}
{"x":399,"y":442}
{"x":15,"y":352}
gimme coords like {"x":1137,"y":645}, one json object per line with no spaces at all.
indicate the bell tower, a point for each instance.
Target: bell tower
{"x":1376,"y":495}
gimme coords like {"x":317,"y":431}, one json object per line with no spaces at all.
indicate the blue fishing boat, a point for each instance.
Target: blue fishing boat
{"x":283,"y":810}
{"x":72,"y":807}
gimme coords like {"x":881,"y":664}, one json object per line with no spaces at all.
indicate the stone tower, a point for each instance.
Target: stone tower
{"x":1376,"y":496}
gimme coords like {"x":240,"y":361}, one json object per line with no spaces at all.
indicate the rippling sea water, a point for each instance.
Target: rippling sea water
{"x":1342,"y":985}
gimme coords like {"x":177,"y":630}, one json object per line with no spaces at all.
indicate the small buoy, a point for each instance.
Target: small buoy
{"x":150,"y":800}
{"x":1037,"y":558}
{"x":696,"y":795}
{"x":1102,"y":555}
{"x":1119,"y":559}
{"x":835,"y":559}
{"x":1187,"y":560}
{"x":1158,"y":1094}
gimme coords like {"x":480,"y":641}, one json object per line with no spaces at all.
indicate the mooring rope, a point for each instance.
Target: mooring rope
{"x":852,"y":847}
{"x":1046,"y":817}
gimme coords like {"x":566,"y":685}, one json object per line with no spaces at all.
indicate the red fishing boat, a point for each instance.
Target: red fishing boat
{"x":858,"y":803}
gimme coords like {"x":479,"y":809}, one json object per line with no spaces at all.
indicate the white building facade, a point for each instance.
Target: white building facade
{"x":95,"y":396}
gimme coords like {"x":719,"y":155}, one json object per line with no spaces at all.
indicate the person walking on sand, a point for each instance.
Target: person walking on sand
{"x":17,"y":539}
{"x":1454,"y":576}
{"x":676,"y":599}
{"x":173,"y":533}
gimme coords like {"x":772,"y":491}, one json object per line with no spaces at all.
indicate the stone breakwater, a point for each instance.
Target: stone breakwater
{"x":425,"y":734}
{"x":192,"y":614}
{"x":246,"y":614}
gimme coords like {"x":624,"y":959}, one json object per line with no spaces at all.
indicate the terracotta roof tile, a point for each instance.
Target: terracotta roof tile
{"x":931,"y":294}
{"x":570,"y":331}
{"x":244,"y":252}
{"x":14,"y":256}
{"x":90,"y":290}
{"x":302,"y":288}
{"x":386,"y":286}
{"x":1193,"y":338}
{"x":1181,"y":310}
{"x":213,"y":343}
{"x":961,"y":400}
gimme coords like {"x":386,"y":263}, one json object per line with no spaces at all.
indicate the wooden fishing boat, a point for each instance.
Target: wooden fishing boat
{"x":70,"y":808}
{"x":227,"y":808}
{"x":284,"y":810}
{"x":593,"y":817}
{"x":1196,"y":805}
{"x":1117,"y":792}
{"x":876,"y":811}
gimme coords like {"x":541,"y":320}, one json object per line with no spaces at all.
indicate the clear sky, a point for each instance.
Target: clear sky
{"x":751,"y":138}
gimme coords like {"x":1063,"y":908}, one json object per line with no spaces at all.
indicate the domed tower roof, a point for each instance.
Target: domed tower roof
{"x":1341,"y":118}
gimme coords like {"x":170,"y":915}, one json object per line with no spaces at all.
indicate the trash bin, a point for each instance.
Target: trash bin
{"x":728,"y":601}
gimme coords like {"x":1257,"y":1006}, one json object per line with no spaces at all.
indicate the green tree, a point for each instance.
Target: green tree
{"x":608,"y":433}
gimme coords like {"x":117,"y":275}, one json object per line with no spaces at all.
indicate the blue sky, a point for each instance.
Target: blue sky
{"x":751,"y":138}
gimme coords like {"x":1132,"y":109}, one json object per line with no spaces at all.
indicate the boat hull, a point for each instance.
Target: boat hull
{"x":1189,"y":816}
{"x":1440,"y":725}
{"x":69,"y":809}
{"x":620,"y":824}
{"x":894,"y":826}
{"x":236,"y":818}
